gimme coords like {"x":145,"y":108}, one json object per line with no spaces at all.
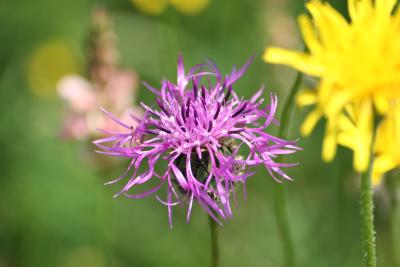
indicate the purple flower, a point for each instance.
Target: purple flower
{"x":210,"y":138}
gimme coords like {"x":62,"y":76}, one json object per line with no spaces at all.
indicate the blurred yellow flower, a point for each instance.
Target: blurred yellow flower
{"x":48,"y":63}
{"x":387,"y":145}
{"x":151,"y":7}
{"x":84,"y":256}
{"x":358,"y":64}
{"x":190,"y":7}
{"x":157,"y":7}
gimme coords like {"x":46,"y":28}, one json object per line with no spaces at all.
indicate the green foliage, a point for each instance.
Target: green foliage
{"x":54,"y":209}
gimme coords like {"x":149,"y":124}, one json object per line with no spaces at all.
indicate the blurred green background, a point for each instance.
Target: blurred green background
{"x":54,"y":209}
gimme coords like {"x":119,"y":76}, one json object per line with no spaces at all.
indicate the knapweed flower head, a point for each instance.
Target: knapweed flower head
{"x":210,"y":138}
{"x":358,"y":64}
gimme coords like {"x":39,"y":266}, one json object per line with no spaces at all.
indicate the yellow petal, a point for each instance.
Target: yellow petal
{"x":298,"y":60}
{"x":309,"y":35}
{"x":381,"y":104}
{"x":351,"y":6}
{"x":330,"y":141}
{"x":306,"y":98}
{"x":151,"y":7}
{"x":190,"y":7}
{"x":331,"y":25}
{"x":365,"y":7}
{"x":376,"y":178}
{"x":361,"y":151}
{"x":349,"y":109}
{"x":359,"y":8}
{"x":310,"y":122}
{"x":346,"y":139}
{"x":384,"y":163}
{"x":396,"y":124}
{"x":361,"y":159}
{"x":396,"y":19}
{"x":385,"y":7}
{"x":345,"y":124}
{"x":365,"y":117}
{"x":337,"y":101}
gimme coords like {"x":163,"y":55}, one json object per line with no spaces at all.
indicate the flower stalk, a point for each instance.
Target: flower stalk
{"x":214,"y":242}
{"x":281,"y":212}
{"x":367,"y":217}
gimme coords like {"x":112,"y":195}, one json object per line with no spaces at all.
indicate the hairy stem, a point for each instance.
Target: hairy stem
{"x":367,"y":217}
{"x":214,"y":242}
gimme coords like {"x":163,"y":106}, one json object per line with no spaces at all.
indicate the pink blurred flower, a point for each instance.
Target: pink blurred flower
{"x":83,"y":99}
{"x":106,"y":85}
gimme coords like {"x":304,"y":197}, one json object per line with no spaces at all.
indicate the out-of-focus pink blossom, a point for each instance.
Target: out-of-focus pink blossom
{"x":78,"y":93}
{"x":106,"y":86}
{"x":83,"y":99}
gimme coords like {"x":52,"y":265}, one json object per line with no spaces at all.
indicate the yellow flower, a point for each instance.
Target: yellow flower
{"x":47,"y":64}
{"x":190,"y":7}
{"x":151,"y":7}
{"x":387,"y":145}
{"x":157,"y":7}
{"x":358,"y":65}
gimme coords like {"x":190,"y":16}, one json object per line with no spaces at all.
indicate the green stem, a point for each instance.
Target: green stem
{"x":367,"y":218}
{"x":214,"y":242}
{"x":390,"y":184}
{"x":288,"y":107}
{"x":281,"y":212}
{"x":393,"y":183}
{"x":395,"y":234}
{"x":283,"y":225}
